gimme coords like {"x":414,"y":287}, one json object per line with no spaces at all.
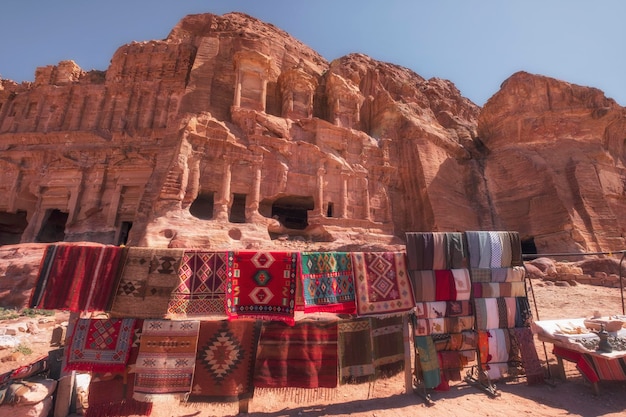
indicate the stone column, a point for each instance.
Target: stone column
{"x":221,"y":208}
{"x":366,"y":198}
{"x":343,"y":204}
{"x":237,"y":99}
{"x":264,"y":92}
{"x":252,"y":208}
{"x":319,"y":204}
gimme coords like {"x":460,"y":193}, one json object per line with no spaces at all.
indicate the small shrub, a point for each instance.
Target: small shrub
{"x":23,"y":349}
{"x":8,"y":314}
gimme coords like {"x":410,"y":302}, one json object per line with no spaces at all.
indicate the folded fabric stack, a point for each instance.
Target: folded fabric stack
{"x":503,"y":313}
{"x":443,"y":318}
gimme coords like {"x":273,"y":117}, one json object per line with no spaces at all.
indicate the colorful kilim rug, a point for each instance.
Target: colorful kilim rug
{"x":225,"y":360}
{"x":327,"y":282}
{"x":387,"y":345}
{"x":201,"y":291}
{"x":146,"y":283}
{"x":76,"y":277}
{"x":300,"y":356}
{"x":100,"y":345}
{"x":261,"y":285}
{"x":166,"y":359}
{"x":382,"y":283}
{"x":356,"y":365}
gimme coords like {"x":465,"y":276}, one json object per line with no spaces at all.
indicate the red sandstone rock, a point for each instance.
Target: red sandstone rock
{"x":232,"y":134}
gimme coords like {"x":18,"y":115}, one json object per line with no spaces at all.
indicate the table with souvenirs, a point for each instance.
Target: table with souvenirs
{"x":596,"y":345}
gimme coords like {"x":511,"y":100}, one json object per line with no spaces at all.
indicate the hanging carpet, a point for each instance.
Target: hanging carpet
{"x":100,"y":345}
{"x":387,"y":345}
{"x":327,"y":282}
{"x":356,"y":365}
{"x":261,"y":285}
{"x":382,"y":283}
{"x":146,"y":282}
{"x":225,"y":360}
{"x":76,"y":277}
{"x":300,"y":356}
{"x":201,"y":290}
{"x":166,"y":360}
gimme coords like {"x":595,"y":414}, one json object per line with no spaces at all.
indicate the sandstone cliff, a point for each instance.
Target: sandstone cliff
{"x":232,"y":134}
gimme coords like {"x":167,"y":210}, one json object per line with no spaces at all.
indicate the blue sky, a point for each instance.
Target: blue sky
{"x":476,"y":44}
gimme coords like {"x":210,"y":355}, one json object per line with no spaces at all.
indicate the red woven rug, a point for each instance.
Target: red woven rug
{"x":382,"y":283}
{"x":201,"y":291}
{"x":166,"y":359}
{"x":225,"y":360}
{"x":261,"y":285}
{"x":301,"y":356}
{"x":100,"y":345}
{"x":77,"y":277}
{"x":111,"y":396}
{"x":146,"y":282}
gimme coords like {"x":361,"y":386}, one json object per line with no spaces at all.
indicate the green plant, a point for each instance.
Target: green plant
{"x":8,"y":314}
{"x":33,"y":312}
{"x":23,"y":349}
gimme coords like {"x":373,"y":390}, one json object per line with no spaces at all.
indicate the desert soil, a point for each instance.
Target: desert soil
{"x":387,"y":397}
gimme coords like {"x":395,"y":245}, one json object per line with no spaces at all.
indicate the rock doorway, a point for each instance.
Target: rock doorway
{"x":202,"y":206}
{"x":52,"y":227}
{"x":292,"y":211}
{"x":12,"y":225}
{"x":528,"y":246}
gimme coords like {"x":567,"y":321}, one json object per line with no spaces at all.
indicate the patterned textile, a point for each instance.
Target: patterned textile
{"x":166,"y":359}
{"x":581,"y":360}
{"x":111,"y":394}
{"x":498,"y":353}
{"x":504,"y":289}
{"x":76,"y":277}
{"x":387,"y":345}
{"x":441,"y":309}
{"x":100,"y":345}
{"x":465,"y":340}
{"x":146,"y":283}
{"x":443,"y":325}
{"x":428,"y":361}
{"x":462,"y":284}
{"x":355,"y":365}
{"x":300,"y":356}
{"x":451,"y":363}
{"x":261,"y":285}
{"x":528,"y":351}
{"x":201,"y":291}
{"x":487,"y":313}
{"x":608,"y":369}
{"x":382,"y":283}
{"x":327,"y":282}
{"x":225,"y":360}
{"x":523,"y":315}
{"x":494,"y":249}
{"x":435,"y":250}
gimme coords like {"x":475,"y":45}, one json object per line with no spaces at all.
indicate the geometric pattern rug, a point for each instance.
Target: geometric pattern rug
{"x":201,"y":291}
{"x":225,"y":360}
{"x":146,"y":283}
{"x":261,"y":285}
{"x":166,"y":360}
{"x":328,"y":282}
{"x":382,"y":283}
{"x":100,"y":345}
